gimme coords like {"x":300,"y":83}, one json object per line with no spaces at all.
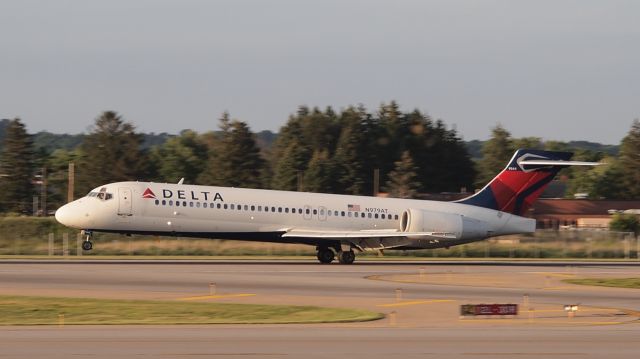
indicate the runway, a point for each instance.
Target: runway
{"x":424,"y":298}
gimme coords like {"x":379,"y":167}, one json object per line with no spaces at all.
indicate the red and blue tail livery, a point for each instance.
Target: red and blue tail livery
{"x":526,"y":176}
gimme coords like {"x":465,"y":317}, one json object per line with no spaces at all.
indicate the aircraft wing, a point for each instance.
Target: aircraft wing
{"x":376,"y":233}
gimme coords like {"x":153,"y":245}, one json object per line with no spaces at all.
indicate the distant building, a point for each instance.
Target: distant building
{"x":578,"y":213}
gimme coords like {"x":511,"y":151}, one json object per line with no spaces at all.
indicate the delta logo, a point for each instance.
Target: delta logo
{"x":148,"y":193}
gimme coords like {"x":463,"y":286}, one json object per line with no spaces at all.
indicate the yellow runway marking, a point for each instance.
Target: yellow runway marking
{"x":202,"y":297}
{"x":415,"y":302}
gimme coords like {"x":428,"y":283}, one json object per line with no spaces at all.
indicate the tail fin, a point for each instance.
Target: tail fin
{"x":516,"y":188}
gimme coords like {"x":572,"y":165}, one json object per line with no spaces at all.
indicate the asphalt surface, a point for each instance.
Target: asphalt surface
{"x":424,"y":314}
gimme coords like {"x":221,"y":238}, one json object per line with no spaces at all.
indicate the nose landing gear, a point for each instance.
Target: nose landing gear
{"x":87,"y":245}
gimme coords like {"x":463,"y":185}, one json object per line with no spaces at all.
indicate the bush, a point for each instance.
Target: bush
{"x":625,"y":223}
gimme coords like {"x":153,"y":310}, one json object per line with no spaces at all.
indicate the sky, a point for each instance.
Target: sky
{"x":559,"y":70}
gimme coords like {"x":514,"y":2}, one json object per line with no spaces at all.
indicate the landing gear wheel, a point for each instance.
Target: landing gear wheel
{"x":346,"y":257}
{"x":325,"y":255}
{"x":87,"y":245}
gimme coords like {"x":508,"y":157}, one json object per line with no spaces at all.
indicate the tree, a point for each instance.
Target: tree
{"x":532,"y":143}
{"x":630,"y":161}
{"x":625,"y":223}
{"x":353,"y":166}
{"x":305,"y":133}
{"x":183,"y":156}
{"x":402,"y":180}
{"x":291,"y":164}
{"x":495,"y":154}
{"x":111,"y":152}
{"x":234,"y":158}
{"x":320,"y":175}
{"x":16,"y":169}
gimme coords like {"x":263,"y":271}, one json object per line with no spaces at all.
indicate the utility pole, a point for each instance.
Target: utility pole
{"x":43,"y":192}
{"x":71,"y":181}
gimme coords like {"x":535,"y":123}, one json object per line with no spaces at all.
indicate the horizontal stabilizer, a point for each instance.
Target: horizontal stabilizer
{"x":557,"y":163}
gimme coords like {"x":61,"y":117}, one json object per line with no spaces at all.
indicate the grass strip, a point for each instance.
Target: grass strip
{"x":32,"y":310}
{"x":607,"y":282}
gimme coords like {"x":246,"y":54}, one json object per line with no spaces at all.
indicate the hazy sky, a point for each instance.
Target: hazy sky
{"x":565,"y":70}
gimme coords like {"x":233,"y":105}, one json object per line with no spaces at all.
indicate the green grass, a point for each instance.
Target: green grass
{"x":608,"y":282}
{"x":30,"y":310}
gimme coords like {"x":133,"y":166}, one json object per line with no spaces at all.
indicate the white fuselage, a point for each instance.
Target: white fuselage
{"x":222,"y":212}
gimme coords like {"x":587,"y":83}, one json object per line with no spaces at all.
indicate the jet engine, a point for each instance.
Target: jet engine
{"x":416,"y":220}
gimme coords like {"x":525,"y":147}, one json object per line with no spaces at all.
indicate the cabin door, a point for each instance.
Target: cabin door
{"x":124,"y":201}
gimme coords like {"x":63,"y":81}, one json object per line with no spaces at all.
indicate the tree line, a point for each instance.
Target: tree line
{"x":316,"y":150}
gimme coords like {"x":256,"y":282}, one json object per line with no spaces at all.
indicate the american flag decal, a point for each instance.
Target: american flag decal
{"x":353,"y":207}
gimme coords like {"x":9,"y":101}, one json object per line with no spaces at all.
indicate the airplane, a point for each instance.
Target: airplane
{"x":337,"y":225}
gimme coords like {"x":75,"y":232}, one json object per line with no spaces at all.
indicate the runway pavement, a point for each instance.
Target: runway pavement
{"x":425,"y":323}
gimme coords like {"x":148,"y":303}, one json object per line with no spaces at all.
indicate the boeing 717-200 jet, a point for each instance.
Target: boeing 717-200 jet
{"x":335,"y":224}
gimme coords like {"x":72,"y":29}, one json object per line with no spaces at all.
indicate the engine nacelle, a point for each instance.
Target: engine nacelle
{"x":415,"y":220}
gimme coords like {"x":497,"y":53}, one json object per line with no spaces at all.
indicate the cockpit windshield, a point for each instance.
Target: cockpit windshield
{"x":102,"y":194}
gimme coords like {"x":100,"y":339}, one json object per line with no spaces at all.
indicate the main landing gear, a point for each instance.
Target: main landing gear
{"x":326,"y":255}
{"x":87,"y":245}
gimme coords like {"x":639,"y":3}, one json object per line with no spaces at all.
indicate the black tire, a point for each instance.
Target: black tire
{"x":325,"y":255}
{"x":346,"y":257}
{"x":87,"y":245}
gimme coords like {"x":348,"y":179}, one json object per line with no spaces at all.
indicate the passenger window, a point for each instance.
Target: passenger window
{"x":299,"y":210}
{"x":362,"y":215}
{"x":184,"y":203}
{"x":335,"y":213}
{"x":219,"y":205}
{"x":273,"y":209}
{"x":349,"y":214}
{"x":376,"y":216}
{"x":170,"y":202}
{"x":246,"y":208}
{"x":307,"y":211}
{"x":369,"y":214}
{"x":177,"y":203}
{"x":190,"y":204}
{"x":253,"y":208}
{"x":322,"y":212}
{"x":286,"y":209}
{"x":342,"y":213}
{"x":329,"y":213}
{"x":232,"y":206}
{"x":315,"y":211}
{"x":225,"y":206}
{"x":198,"y":204}
{"x":157,"y":202}
{"x":204,"y":205}
{"x":382,"y":215}
{"x":279,"y":209}
{"x":164,"y":202}
{"x":259,"y":208}
{"x":396,"y":217}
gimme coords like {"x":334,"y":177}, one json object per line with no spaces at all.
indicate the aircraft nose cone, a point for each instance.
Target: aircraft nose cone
{"x":64,"y":215}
